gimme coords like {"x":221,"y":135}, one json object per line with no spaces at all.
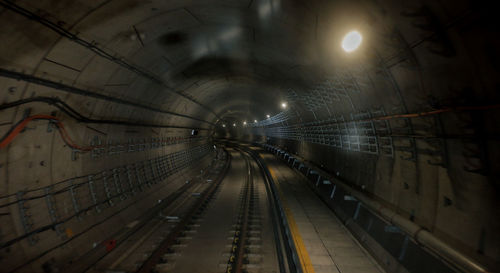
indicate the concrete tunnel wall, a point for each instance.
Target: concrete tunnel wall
{"x":184,"y":65}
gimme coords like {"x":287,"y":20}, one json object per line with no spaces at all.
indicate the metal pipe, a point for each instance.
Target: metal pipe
{"x":417,"y":233}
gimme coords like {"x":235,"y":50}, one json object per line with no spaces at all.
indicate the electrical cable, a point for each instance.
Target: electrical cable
{"x":55,"y":120}
{"x":86,"y":93}
{"x":438,"y":111}
{"x":15,"y":130}
{"x":92,"y":46}
{"x":64,"y":107}
{"x":415,"y":115}
{"x":68,"y":110}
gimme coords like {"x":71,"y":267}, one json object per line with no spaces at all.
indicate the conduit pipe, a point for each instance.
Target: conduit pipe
{"x":418,"y":233}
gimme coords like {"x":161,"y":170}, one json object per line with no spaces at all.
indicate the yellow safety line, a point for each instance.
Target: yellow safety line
{"x":305,"y":261}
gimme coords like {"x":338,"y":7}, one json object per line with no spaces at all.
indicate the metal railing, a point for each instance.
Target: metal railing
{"x":91,"y":194}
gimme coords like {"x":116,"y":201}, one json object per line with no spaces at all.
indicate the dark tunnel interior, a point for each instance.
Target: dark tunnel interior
{"x":120,"y":116}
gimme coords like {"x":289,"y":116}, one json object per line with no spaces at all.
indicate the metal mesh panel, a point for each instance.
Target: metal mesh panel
{"x":92,"y":194}
{"x":358,"y":134}
{"x":279,"y":118}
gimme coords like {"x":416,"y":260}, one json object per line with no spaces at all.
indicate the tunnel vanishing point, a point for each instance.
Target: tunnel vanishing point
{"x":256,"y":136}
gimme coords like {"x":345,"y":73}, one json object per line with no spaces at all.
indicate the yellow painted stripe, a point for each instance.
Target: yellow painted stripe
{"x":305,"y":261}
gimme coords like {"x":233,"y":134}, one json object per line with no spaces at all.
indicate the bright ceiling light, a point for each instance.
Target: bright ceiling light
{"x":223,"y":125}
{"x":268,"y":116}
{"x":283,"y":105}
{"x":234,"y":124}
{"x":244,"y":123}
{"x":351,"y":41}
{"x":255,"y":120}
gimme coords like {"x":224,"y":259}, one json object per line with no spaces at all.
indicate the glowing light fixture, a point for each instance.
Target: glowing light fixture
{"x":268,"y":116}
{"x":283,"y":105}
{"x":352,"y":41}
{"x":234,"y":124}
{"x":223,"y":125}
{"x":244,"y":123}
{"x":255,"y":120}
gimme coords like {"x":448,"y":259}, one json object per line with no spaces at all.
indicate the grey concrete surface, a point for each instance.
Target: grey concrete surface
{"x":330,"y":246}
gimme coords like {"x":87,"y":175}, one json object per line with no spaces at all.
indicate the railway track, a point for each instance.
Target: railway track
{"x":231,"y":224}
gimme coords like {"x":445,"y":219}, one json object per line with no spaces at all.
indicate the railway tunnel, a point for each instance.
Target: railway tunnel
{"x":249,"y":136}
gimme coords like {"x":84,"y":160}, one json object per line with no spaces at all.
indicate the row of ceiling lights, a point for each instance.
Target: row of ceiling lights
{"x":350,"y":43}
{"x":283,"y":105}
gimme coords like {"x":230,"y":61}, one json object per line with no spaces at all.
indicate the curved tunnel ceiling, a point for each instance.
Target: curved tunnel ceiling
{"x":178,"y":45}
{"x":174,"y":44}
{"x":182,"y":65}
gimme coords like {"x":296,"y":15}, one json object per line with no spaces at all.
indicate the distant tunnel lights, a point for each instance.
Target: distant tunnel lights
{"x":352,"y":41}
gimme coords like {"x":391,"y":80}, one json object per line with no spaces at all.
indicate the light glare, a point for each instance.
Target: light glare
{"x":351,"y":41}
{"x":268,"y":116}
{"x":234,"y":124}
{"x":283,"y":105}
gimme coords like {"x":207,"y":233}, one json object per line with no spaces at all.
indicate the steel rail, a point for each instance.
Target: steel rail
{"x":151,"y":215}
{"x":37,"y":257}
{"x":122,"y":237}
{"x":285,"y":249}
{"x":244,"y":229}
{"x":156,"y":257}
{"x":237,"y":257}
